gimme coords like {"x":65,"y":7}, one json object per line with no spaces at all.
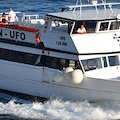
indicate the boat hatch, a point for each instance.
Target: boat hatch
{"x":100,"y":62}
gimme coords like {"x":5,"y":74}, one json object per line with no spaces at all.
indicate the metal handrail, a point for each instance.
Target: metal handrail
{"x":93,"y":5}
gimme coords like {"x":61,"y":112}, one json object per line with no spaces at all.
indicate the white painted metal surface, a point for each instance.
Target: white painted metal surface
{"x":101,"y":83}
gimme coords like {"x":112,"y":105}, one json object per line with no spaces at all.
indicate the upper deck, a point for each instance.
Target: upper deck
{"x":96,"y":13}
{"x":61,"y":29}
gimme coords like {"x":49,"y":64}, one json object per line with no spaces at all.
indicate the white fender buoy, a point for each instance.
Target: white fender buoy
{"x":68,"y":69}
{"x":77,"y":76}
{"x":67,"y":73}
{"x":58,"y":76}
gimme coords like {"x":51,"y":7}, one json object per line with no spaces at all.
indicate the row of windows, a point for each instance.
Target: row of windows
{"x":96,"y":63}
{"x":58,"y":63}
{"x":90,"y":26}
{"x":38,"y":60}
{"x":66,"y":26}
{"x":113,"y":25}
{"x":16,"y":56}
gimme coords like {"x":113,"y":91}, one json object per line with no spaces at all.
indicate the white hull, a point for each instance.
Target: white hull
{"x":53,"y":59}
{"x":55,"y":91}
{"x":90,"y":89}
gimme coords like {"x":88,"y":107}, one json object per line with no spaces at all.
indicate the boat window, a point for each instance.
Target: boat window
{"x":31,"y":58}
{"x":114,"y":25}
{"x":104,"y":26}
{"x":77,"y":26}
{"x":92,"y":64}
{"x":11,"y":55}
{"x":59,"y":26}
{"x":38,"y":60}
{"x":17,"y":56}
{"x":58,"y":63}
{"x":53,"y":62}
{"x":3,"y":54}
{"x":63,"y":63}
{"x":72,"y":63}
{"x":104,"y":61}
{"x":90,"y":26}
{"x":113,"y":60}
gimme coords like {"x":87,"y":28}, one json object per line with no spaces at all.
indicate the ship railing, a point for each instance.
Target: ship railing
{"x":93,"y":5}
{"x":29,"y":25}
{"x":31,"y":21}
{"x":34,"y":19}
{"x":28,"y":18}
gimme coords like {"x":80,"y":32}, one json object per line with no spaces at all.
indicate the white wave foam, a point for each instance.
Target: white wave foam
{"x":59,"y":110}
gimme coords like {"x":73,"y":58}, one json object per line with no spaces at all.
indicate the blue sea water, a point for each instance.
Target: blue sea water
{"x":15,"y":108}
{"x":34,"y":6}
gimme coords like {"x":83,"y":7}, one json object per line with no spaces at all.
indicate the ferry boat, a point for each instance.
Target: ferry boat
{"x":48,"y":58}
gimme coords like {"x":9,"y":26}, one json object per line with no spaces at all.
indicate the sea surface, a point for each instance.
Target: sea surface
{"x":13,"y":107}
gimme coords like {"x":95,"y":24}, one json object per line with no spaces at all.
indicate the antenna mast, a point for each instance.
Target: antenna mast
{"x":77,"y":4}
{"x":94,"y":3}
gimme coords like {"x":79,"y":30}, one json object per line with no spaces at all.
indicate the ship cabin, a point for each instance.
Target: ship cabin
{"x":96,"y":52}
{"x":98,"y":49}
